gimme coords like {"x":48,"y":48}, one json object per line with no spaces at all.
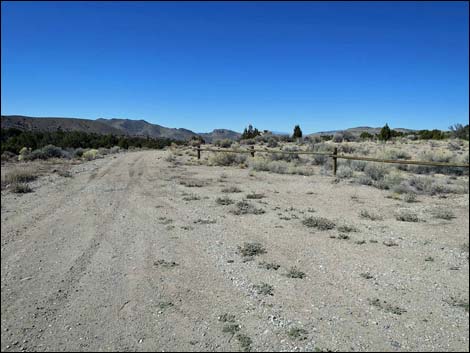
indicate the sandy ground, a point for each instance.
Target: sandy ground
{"x":80,"y":266}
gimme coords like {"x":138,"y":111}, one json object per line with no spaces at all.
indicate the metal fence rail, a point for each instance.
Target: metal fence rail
{"x":335,"y":156}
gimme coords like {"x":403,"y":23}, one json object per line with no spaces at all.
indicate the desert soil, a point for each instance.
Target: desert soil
{"x":81,"y":265}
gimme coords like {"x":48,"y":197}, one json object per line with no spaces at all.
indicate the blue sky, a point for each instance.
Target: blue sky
{"x":206,"y":65}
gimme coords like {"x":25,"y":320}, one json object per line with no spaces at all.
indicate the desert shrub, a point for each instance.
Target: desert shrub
{"x":294,"y":272}
{"x":409,"y":197}
{"x":78,"y":152}
{"x":349,"y":136}
{"x":115,"y":149}
{"x":64,"y":173}
{"x":90,"y":154}
{"x":375,"y":171}
{"x":454,"y":145}
{"x":268,"y":265}
{"x":318,"y":223}
{"x":370,"y":215}
{"x":264,"y":289}
{"x":346,"y":148}
{"x":103,"y":151}
{"x":244,"y":207}
{"x":18,"y":175}
{"x":225,"y":143}
{"x":442,"y":213}
{"x":347,"y":228}
{"x":24,"y":154}
{"x":406,"y":215}
{"x":21,"y":188}
{"x":279,"y":167}
{"x":260,"y":140}
{"x":251,"y":249}
{"x":314,"y":139}
{"x":245,"y":342}
{"x":272,"y":143}
{"x":227,"y":159}
{"x":394,"y":154}
{"x":357,"y":165}
{"x":49,"y":151}
{"x":321,"y":148}
{"x":297,"y":333}
{"x":436,"y":156}
{"x":432,"y":186}
{"x":254,"y":196}
{"x":8,"y":156}
{"x":365,"y":180}
{"x":264,"y":164}
{"x":248,"y":142}
{"x":344,"y":172}
{"x":288,"y":157}
{"x":231,"y":189}
{"x":170,"y":157}
{"x":338,"y":137}
{"x":390,"y":181}
{"x":224,"y":201}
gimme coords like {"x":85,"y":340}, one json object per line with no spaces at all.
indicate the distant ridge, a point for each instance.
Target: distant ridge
{"x":143,"y":128}
{"x":126,"y":127}
{"x":356,"y":131}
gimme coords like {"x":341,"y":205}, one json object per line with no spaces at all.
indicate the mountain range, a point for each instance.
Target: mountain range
{"x":126,"y":127}
{"x":143,"y":128}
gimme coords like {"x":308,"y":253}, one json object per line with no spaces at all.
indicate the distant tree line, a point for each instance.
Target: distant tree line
{"x":13,"y":140}
{"x":250,"y":133}
{"x":456,"y":131}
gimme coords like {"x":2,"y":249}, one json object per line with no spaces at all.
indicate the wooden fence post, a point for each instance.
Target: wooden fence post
{"x":199,"y":152}
{"x":252,"y":151}
{"x":335,"y":161}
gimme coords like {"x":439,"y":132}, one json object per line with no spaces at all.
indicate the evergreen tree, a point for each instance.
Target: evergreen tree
{"x":297,"y":132}
{"x":385,"y":134}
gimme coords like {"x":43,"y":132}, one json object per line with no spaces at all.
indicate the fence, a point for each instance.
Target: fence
{"x":335,"y":156}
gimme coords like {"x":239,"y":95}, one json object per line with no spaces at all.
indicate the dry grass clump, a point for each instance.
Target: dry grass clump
{"x":318,"y":223}
{"x":387,"y":307}
{"x":191,"y":197}
{"x":264,"y":289}
{"x":370,"y":215}
{"x":294,"y":272}
{"x":24,"y":174}
{"x":297,"y":333}
{"x":254,"y":196}
{"x":231,"y":189}
{"x":245,"y":342}
{"x":347,"y":229}
{"x":251,"y":249}
{"x":244,"y":207}
{"x":224,"y":201}
{"x":192,"y":183}
{"x":459,"y":303}
{"x":269,"y":265}
{"x":21,"y":188}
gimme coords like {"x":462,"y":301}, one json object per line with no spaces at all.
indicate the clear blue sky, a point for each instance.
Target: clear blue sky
{"x":213,"y":65}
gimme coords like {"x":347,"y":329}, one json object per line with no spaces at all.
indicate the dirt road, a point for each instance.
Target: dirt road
{"x":125,"y":256}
